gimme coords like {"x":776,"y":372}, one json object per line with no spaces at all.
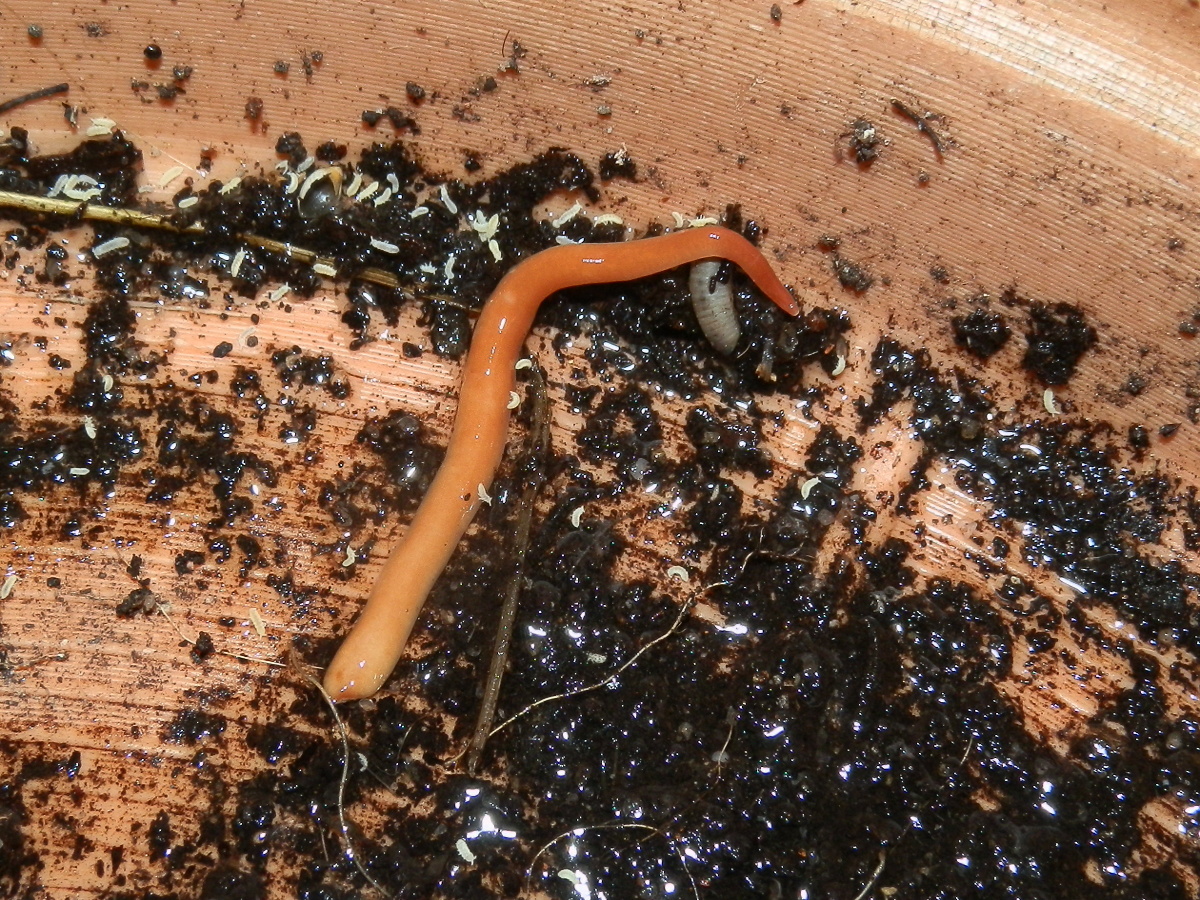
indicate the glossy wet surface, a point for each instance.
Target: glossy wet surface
{"x":837,"y":716}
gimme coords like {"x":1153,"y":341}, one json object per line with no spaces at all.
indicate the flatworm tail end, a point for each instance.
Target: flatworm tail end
{"x":750,"y":260}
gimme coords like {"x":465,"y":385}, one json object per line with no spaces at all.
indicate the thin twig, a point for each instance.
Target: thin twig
{"x":136,"y":218}
{"x":608,"y":679}
{"x":731,"y":717}
{"x":39,"y":94}
{"x":921,"y":120}
{"x":533,"y":466}
{"x":93,"y":212}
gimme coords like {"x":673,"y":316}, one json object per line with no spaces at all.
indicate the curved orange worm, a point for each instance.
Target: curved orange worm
{"x":371,"y":649}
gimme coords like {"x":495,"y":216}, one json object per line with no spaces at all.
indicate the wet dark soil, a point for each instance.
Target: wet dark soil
{"x":844,"y":735}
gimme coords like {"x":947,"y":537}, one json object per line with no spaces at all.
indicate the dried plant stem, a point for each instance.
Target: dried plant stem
{"x":539,"y":442}
{"x":92,"y":212}
{"x":39,"y":94}
{"x":136,"y":218}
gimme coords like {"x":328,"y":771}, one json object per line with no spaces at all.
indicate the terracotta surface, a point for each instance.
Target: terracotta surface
{"x":1073,"y":164}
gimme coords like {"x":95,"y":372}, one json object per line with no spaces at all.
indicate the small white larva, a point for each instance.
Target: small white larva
{"x":170,"y":175}
{"x":680,"y":221}
{"x":384,"y":246}
{"x":188,"y":201}
{"x":383,"y":197}
{"x":81,"y":187}
{"x":236,"y":266}
{"x":324,"y":269}
{"x":293,"y":183}
{"x":678,"y":572}
{"x":110,"y":246}
{"x":100,"y":127}
{"x":576,"y":516}
{"x":485,"y":227}
{"x":279,"y":293}
{"x":712,"y":300}
{"x":312,"y":179}
{"x":84,"y":194}
{"x":608,"y":219}
{"x":702,"y":221}
{"x":351,"y":558}
{"x":79,"y":471}
{"x":6,"y":588}
{"x":464,"y":850}
{"x":89,"y":427}
{"x":367,"y":193}
{"x":355,"y":184}
{"x":108,"y":382}
{"x":484,"y":496}
{"x":514,"y":399}
{"x":567,"y":216}
{"x":305,"y":164}
{"x":494,"y":247}
{"x":1051,"y":403}
{"x":807,"y":487}
{"x":394,"y":182}
{"x":256,"y":621}
{"x":418,"y":211}
{"x":231,"y":185}
{"x":838,"y":367}
{"x":448,"y":269}
{"x":451,"y":206}
{"x":524,"y":363}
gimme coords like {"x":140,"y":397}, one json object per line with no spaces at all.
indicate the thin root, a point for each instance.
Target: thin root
{"x":645,"y":648}
{"x":191,"y":642}
{"x":345,"y":776}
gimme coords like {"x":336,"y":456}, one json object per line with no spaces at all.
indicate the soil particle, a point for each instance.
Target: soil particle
{"x":617,"y":164}
{"x":142,"y":600}
{"x":863,"y":140}
{"x":982,"y":332}
{"x":1058,"y":336}
{"x":203,"y":648}
{"x":852,"y":276}
{"x":192,"y":725}
{"x":294,"y":366}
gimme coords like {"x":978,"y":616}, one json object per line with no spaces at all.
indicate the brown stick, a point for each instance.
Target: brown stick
{"x":539,"y":443}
